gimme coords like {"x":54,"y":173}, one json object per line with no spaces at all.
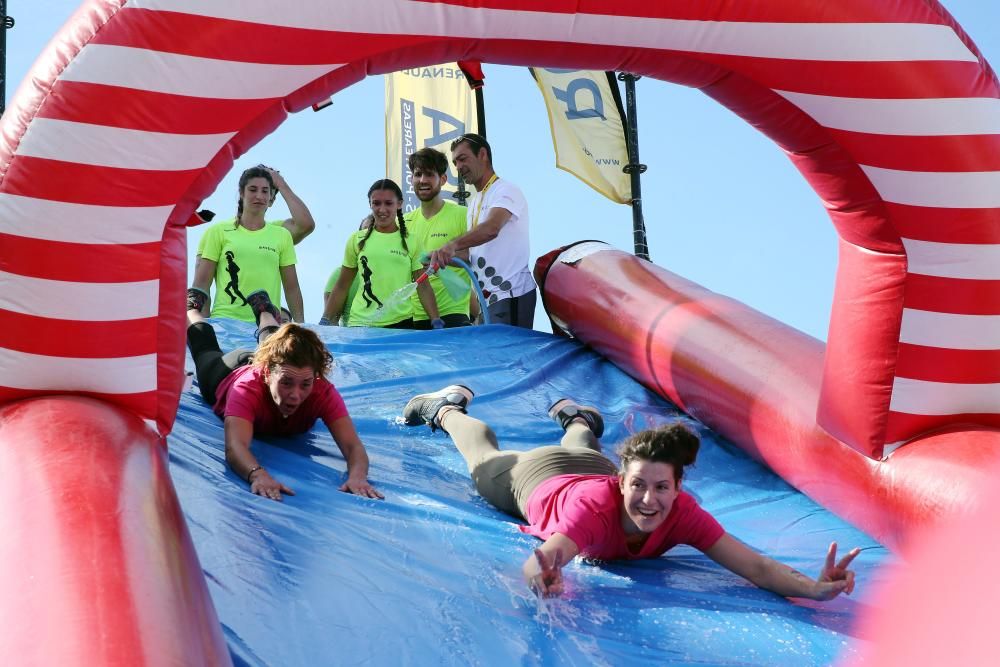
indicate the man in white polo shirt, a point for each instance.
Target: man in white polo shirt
{"x":497,"y":236}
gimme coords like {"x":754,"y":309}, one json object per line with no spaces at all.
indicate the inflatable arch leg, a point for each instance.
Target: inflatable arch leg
{"x":105,"y":567}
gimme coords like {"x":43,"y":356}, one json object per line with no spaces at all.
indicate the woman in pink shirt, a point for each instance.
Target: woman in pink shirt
{"x":279,"y":389}
{"x":580,"y":503}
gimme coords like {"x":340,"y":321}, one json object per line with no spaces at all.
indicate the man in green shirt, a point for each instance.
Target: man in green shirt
{"x":434,"y":224}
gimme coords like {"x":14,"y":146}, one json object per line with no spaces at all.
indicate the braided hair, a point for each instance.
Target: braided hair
{"x":387,"y":184}
{"x":252,"y":172}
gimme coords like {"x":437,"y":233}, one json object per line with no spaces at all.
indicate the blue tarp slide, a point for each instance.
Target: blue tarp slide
{"x":431,"y":575}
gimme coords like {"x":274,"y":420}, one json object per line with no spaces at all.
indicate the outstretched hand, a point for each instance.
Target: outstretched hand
{"x":361,"y":487}
{"x":835,"y":577}
{"x":265,"y":485}
{"x":546,"y":580}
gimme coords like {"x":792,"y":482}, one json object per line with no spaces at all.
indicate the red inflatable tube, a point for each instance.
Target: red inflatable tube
{"x":757,"y":382}
{"x":98,"y":565}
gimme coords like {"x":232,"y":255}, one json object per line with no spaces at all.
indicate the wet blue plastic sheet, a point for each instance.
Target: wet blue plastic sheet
{"x":431,"y":575}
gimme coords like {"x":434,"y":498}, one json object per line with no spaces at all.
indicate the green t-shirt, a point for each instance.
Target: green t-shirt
{"x":431,"y":234}
{"x":247,"y":261}
{"x":384,"y":267}
{"x":201,"y":243}
{"x":345,"y":315}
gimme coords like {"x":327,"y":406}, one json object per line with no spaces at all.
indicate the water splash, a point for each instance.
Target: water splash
{"x":391,"y":303}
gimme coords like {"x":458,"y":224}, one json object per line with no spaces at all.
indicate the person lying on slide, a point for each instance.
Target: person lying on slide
{"x":580,"y":503}
{"x":280,"y":389}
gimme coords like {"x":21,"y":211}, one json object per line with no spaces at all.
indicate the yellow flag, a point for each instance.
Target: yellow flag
{"x":425,"y":107}
{"x":587,"y":130}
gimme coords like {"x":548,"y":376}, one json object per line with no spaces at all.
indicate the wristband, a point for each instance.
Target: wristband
{"x":437,"y":323}
{"x":252,"y":471}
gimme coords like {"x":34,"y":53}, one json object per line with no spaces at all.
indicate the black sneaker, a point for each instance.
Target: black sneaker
{"x":424,"y":408}
{"x":260,"y":302}
{"x":196,"y":298}
{"x":565,"y":410}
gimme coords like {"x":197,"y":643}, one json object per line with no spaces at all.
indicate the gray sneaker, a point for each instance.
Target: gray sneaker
{"x":565,"y":410}
{"x":424,"y":408}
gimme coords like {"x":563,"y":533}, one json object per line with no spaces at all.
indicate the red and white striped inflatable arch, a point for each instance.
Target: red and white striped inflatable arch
{"x":139,"y":107}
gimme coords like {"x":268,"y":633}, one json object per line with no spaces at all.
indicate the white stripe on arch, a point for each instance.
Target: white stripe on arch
{"x":950,"y":331}
{"x":920,"y":397}
{"x":193,"y":76}
{"x":104,"y":146}
{"x":84,"y":302}
{"x":123,"y":375}
{"x":937,"y":189}
{"x":854,"y":42}
{"x":905,"y":117}
{"x":953,"y":260}
{"x":81,"y":223}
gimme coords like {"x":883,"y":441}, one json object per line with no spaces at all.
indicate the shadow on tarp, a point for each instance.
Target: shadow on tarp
{"x":431,"y":575}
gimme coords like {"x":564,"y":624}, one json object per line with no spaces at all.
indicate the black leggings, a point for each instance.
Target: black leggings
{"x":210,"y":364}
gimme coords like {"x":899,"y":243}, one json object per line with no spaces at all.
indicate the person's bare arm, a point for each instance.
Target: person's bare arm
{"x":346,"y":437}
{"x":204,"y":276}
{"x":238,"y":435}
{"x":426,"y":296}
{"x":335,"y":303}
{"x":301,"y":224}
{"x":776,"y":577}
{"x":293,"y":293}
{"x":482,"y":233}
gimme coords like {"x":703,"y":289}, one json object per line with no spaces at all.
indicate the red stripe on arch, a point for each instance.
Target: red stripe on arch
{"x":952,"y":295}
{"x":143,"y":110}
{"x":873,"y":80}
{"x":902,"y":426}
{"x":842,"y":11}
{"x":243,"y":41}
{"x":915,"y":153}
{"x":142,"y":404}
{"x":79,"y":262}
{"x":935,"y":364}
{"x":84,"y":340}
{"x":946,"y":225}
{"x":56,"y":180}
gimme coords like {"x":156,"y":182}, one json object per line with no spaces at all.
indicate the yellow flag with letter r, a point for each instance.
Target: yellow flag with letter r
{"x":425,"y":107}
{"x":587,"y":129}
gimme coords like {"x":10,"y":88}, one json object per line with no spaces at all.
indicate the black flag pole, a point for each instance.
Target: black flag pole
{"x":473,"y":71}
{"x":634,"y":168}
{"x":8,"y":23}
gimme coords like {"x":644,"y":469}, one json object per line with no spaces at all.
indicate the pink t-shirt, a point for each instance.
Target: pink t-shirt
{"x":244,"y":394}
{"x":587,"y":510}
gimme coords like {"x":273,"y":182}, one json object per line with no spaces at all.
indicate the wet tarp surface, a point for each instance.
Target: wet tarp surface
{"x":431,"y":575}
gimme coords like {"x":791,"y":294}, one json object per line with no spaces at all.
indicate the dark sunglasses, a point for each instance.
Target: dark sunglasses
{"x":474,"y":141}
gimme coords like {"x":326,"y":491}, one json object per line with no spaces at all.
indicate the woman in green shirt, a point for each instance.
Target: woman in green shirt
{"x":247,"y":253}
{"x":387,"y":259}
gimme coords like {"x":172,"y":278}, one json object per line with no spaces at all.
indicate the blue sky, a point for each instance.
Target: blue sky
{"x":723,"y":206}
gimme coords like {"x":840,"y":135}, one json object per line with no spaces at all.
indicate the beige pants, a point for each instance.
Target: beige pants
{"x":507,"y":478}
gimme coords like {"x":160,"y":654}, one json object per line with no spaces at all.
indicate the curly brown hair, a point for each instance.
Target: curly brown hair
{"x":675,"y":444}
{"x":294,"y":345}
